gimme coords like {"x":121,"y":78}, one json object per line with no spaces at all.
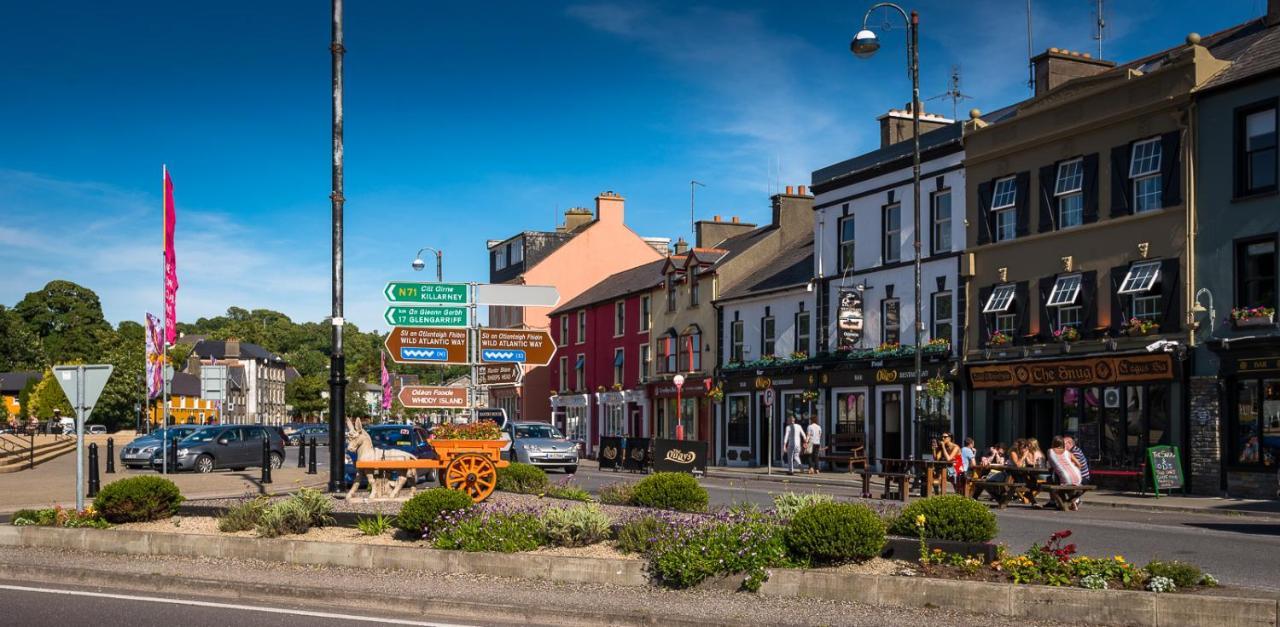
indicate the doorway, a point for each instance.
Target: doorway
{"x":1038,"y":421}
{"x":890,"y":440}
{"x":738,"y":450}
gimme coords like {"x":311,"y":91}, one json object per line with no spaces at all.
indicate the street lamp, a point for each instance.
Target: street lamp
{"x":679,"y":381}
{"x":864,"y":45}
{"x":419,"y":264}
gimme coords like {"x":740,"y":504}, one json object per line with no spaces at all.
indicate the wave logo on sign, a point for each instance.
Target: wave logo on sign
{"x":512,"y":356}
{"x":424,"y":354}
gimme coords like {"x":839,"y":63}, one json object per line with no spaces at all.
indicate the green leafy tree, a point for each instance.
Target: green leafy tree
{"x":24,"y":399}
{"x":48,"y":396}
{"x":67,"y":318}
{"x":19,"y":347}
{"x":126,"y":351}
{"x":303,"y":394}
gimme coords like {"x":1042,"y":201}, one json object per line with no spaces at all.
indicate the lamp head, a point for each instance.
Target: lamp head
{"x":419,"y":264}
{"x":864,"y":44}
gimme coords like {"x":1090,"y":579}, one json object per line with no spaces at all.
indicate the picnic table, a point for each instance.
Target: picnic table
{"x":935,"y":470}
{"x":1020,"y":481}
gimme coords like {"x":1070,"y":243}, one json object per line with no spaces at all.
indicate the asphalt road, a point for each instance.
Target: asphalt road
{"x":1239,"y":550}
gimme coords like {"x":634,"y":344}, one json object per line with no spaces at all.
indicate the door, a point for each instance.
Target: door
{"x":891,"y":428}
{"x":738,"y":450}
{"x":251,"y":446}
{"x":231,"y":453}
{"x":1039,"y":420}
{"x":767,"y":443}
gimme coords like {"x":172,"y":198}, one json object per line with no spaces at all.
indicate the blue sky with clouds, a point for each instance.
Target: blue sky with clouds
{"x":464,"y":121}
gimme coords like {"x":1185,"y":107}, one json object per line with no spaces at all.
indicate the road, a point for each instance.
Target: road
{"x":1239,"y":550}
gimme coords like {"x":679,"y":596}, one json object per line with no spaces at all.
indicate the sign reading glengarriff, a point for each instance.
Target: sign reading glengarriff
{"x":427,"y":293}
{"x":401,"y":316}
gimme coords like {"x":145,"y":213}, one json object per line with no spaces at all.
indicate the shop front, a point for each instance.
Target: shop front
{"x":572,"y":413}
{"x":1249,"y":375}
{"x":873,"y":398}
{"x":751,"y":421}
{"x":683,"y":414}
{"x":1116,"y":405}
{"x":618,"y":413}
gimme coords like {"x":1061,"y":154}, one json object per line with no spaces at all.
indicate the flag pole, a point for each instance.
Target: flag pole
{"x":164,"y":294}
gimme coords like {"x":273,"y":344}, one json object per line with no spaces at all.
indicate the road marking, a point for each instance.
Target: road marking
{"x":231,"y":606}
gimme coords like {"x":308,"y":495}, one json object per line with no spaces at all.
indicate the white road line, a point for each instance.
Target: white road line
{"x":231,"y":606}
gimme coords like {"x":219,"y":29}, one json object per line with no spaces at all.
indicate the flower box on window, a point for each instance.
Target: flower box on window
{"x":1066,"y":334}
{"x":1253,"y":317}
{"x":999,"y":338}
{"x":1137,"y":327}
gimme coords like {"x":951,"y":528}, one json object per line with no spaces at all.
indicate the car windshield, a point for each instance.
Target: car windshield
{"x":383,"y":438}
{"x":548,"y":432}
{"x":203,"y":435}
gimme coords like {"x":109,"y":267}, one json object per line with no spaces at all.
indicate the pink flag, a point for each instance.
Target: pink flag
{"x":386,"y":383}
{"x":155,"y":357}
{"x":170,"y":264}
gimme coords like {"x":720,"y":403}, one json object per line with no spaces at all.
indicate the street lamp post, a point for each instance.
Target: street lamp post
{"x":419,"y":264}
{"x":679,"y":429}
{"x":337,"y":361}
{"x":865,"y":44}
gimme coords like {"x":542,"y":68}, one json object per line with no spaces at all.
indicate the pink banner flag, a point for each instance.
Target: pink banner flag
{"x":386,"y":383}
{"x":170,"y":264}
{"x":155,"y":357}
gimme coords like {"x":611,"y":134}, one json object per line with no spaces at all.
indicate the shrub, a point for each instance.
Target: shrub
{"x":497,"y":531}
{"x":638,"y":535}
{"x":948,"y":517}
{"x":568,"y":492}
{"x":788,"y":503}
{"x":376,"y":525}
{"x":670,"y":490}
{"x":306,"y":509}
{"x":617,"y":493}
{"x":244,"y":516}
{"x":1182,"y":574}
{"x":685,"y":556}
{"x":835,"y":532}
{"x":41,"y":517}
{"x":420,"y":514}
{"x":58,"y":517}
{"x":138,"y":499}
{"x":576,"y":526}
{"x":522,"y":479}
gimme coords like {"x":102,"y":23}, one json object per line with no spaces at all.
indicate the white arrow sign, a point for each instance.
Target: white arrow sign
{"x":517,"y":295}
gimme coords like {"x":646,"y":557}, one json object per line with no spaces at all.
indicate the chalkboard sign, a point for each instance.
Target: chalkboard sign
{"x":1165,"y":468}
{"x":679,"y":455}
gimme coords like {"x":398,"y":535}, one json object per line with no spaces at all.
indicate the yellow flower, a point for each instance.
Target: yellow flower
{"x":1120,"y":558}
{"x":920,"y":520}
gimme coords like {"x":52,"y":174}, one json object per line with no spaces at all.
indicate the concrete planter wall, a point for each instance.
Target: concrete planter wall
{"x":1036,"y":602}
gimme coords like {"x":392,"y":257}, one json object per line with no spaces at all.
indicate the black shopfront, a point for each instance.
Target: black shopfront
{"x":1249,"y":388}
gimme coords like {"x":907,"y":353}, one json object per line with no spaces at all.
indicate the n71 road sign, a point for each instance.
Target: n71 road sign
{"x":427,"y":293}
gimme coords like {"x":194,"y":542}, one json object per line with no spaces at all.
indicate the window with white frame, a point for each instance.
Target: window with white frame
{"x":1070,"y":316}
{"x":1064,"y":299}
{"x":693,"y":288}
{"x":846,"y":243}
{"x":517,"y":251}
{"x":941,"y":240}
{"x":671,"y":292}
{"x":582,"y":327}
{"x":891,"y":327}
{"x":1069,"y":192}
{"x":564,"y":374}
{"x":613,"y":420}
{"x":943,"y":312}
{"x":645,"y":313}
{"x":1001,"y":299}
{"x":1144,"y":171}
{"x":802,"y":332}
{"x":691,"y":350}
{"x":619,"y":360}
{"x":580,"y":377}
{"x":1003,"y":203}
{"x":736,"y":341}
{"x":767,"y":337}
{"x":644,"y":361}
{"x":619,"y":318}
{"x":1138,"y":283}
{"x":1006,"y":323}
{"x":499,"y":258}
{"x":564,"y":329}
{"x":891,"y":244}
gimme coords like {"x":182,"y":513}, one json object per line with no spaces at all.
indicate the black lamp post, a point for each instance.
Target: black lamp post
{"x":337,"y":361}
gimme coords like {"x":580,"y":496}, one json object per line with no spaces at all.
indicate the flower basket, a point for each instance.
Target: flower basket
{"x":1137,"y":327}
{"x":999,"y":339}
{"x":1253,"y":317}
{"x":1066,"y":334}
{"x":484,"y":430}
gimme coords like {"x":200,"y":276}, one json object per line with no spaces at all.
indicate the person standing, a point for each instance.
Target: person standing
{"x":792,"y":441}
{"x":814,"y":444}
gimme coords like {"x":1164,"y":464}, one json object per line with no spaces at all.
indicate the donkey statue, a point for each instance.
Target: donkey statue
{"x":359,"y":442}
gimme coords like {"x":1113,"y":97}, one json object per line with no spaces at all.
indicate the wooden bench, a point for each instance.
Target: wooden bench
{"x":1001,"y":491}
{"x":1062,"y":495}
{"x":846,"y":448}
{"x":896,"y":474}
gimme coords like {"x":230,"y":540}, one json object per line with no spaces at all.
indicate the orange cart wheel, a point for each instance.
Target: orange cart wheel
{"x":473,"y":474}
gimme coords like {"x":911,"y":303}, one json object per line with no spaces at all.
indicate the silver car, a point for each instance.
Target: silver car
{"x":137,"y":454}
{"x":541,"y":444}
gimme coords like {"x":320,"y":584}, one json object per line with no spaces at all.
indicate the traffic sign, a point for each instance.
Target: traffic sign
{"x":434,"y":397}
{"x":499,"y":374}
{"x":517,"y":295}
{"x":520,"y":346}
{"x":410,"y":345}
{"x":83,"y":385}
{"x":213,"y":383}
{"x":440,"y":316}
{"x":768,"y":397}
{"x":427,"y":293}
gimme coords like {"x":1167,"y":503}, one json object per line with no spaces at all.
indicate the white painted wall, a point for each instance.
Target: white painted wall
{"x":783,"y":306}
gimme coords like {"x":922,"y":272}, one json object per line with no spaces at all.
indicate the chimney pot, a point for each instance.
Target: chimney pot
{"x":804,"y":190}
{"x":735,"y":219}
{"x":789,"y":190}
{"x":716,"y":218}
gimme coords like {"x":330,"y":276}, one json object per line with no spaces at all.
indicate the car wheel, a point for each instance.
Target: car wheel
{"x":570,"y":470}
{"x":204,"y":464}
{"x":277,"y":460}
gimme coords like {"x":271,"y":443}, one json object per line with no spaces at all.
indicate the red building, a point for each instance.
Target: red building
{"x":603,"y":355}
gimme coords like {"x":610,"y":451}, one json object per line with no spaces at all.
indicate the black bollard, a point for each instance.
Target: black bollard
{"x":93,"y":470}
{"x":266,"y":459}
{"x":311,"y":461}
{"x":173,"y":455}
{"x":302,"y":453}
{"x":111,"y":456}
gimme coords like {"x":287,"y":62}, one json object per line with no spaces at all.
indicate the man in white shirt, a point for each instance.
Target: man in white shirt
{"x":813,"y":444}
{"x":792,"y":441}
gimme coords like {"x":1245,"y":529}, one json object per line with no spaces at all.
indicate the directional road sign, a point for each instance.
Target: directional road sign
{"x":440,"y":316}
{"x":213,"y":383}
{"x":517,"y":295}
{"x":518,"y":346}
{"x":427,"y":293}
{"x":410,"y":345}
{"x":499,"y":374}
{"x":434,"y":397}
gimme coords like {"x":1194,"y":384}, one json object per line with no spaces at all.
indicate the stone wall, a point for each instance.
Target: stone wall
{"x":1205,"y":456}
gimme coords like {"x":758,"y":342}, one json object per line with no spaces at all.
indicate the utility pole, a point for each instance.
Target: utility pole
{"x":337,"y":361}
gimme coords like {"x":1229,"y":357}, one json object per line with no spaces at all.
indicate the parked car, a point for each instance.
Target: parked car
{"x":137,"y":454}
{"x":306,"y":432}
{"x":408,"y":438}
{"x":95,"y":429}
{"x":542,"y":444}
{"x":229,"y":446}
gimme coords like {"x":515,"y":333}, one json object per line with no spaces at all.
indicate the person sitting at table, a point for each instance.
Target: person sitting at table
{"x":1081,"y":459}
{"x":1037,"y":456}
{"x":1065,"y":467}
{"x":1018,"y":453}
{"x":995,"y":455}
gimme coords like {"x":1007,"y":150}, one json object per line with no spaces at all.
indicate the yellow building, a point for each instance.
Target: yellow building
{"x":184,"y":403}
{"x":11,"y":384}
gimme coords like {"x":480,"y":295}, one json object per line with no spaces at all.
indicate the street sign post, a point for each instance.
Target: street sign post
{"x":82,"y":385}
{"x":517,"y":346}
{"x":434,"y":397}
{"x":499,"y":374}
{"x":410,"y":345}
{"x":427,"y":293}
{"x":213,"y":383}
{"x":438,"y":316}
{"x":517,"y":295}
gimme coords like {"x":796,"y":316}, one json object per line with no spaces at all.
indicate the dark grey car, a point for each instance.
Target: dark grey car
{"x":228,"y":446}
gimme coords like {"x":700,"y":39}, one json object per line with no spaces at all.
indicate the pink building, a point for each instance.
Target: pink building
{"x":576,"y":256}
{"x":603,"y":357}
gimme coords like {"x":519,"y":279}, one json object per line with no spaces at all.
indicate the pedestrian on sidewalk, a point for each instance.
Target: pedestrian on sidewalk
{"x":792,"y":440}
{"x":813,"y":444}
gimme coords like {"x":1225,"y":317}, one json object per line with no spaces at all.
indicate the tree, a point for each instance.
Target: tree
{"x":67,"y":318}
{"x":303,"y":394}
{"x":126,"y":350}
{"x":48,"y":396}
{"x":24,"y":400}
{"x":19,"y":347}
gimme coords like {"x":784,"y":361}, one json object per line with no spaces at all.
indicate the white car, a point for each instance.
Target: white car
{"x":96,"y":429}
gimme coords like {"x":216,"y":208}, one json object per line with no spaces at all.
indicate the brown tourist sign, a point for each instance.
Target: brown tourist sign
{"x":433,"y":397}
{"x":429,"y":345}
{"x":499,"y":374}
{"x":516,"y":346}
{"x":1092,"y":371}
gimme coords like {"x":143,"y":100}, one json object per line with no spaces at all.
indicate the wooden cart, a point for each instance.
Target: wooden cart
{"x":469,"y":465}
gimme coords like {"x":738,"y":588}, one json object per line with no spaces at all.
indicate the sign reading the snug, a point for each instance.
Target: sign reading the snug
{"x":1093,"y":371}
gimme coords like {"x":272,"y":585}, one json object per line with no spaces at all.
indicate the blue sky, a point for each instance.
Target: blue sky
{"x":464,"y":121}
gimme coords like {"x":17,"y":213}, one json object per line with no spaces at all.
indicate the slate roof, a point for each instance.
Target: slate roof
{"x":793,"y":268}
{"x":185,"y":384}
{"x":13,"y":382}
{"x":643,"y":277}
{"x":739,"y":244}
{"x":935,"y":139}
{"x":218,"y":350}
{"x":1260,"y":56}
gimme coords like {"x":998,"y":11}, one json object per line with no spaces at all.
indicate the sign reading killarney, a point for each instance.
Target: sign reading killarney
{"x":427,"y":293}
{"x":410,"y":345}
{"x":448,"y":316}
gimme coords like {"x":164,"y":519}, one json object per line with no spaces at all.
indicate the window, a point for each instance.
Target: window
{"x":846,"y":243}
{"x":619,"y":359}
{"x":564,"y":374}
{"x":891,"y":330}
{"x":693,"y":288}
{"x":1000,"y":300}
{"x":619,"y":318}
{"x":1256,"y":151}
{"x":1147,"y":307}
{"x":891,"y":245}
{"x":1140,"y":278}
{"x":1070,"y":316}
{"x":644,"y":361}
{"x":1065,"y":291}
{"x":690,"y":357}
{"x":766,"y":336}
{"x":851,"y":412}
{"x":564,"y":329}
{"x":1255,"y":427}
{"x":645,"y":313}
{"x":582,"y":326}
{"x":941,"y":240}
{"x":671,"y":292}
{"x":1256,"y":274}
{"x":1006,"y":194}
{"x":802,"y":333}
{"x":499,"y":258}
{"x":580,"y":380}
{"x":942,"y":314}
{"x":517,"y":251}
{"x":1068,"y":191}
{"x":736,"y":343}
{"x":668,"y":353}
{"x":613,"y":420}
{"x":1006,"y":324}
{"x":1144,"y":170}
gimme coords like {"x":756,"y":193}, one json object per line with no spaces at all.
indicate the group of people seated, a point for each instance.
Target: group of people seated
{"x":1064,"y":457}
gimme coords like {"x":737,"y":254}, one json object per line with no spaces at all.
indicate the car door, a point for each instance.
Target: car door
{"x":251,"y":446}
{"x":227,"y":451}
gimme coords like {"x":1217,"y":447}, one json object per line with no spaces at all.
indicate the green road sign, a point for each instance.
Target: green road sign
{"x":426,"y":316}
{"x":427,"y":293}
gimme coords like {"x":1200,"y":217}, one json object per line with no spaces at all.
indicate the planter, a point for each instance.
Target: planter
{"x":1256,"y":321}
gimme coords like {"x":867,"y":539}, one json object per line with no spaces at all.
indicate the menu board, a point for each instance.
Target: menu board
{"x":1165,"y":468}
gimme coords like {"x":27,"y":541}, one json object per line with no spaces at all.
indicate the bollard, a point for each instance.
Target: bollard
{"x":111,"y":456}
{"x":173,"y":455}
{"x":266,"y":459}
{"x":311,"y":461}
{"x":93,"y":470}
{"x":302,"y":453}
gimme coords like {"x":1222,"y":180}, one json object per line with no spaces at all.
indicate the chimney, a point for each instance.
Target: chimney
{"x":895,"y":126}
{"x":232,"y":348}
{"x":793,"y":213}
{"x":1054,"y":67}
{"x":709,"y":234}
{"x":575,"y":218}
{"x":682,"y":246}
{"x":609,"y":207}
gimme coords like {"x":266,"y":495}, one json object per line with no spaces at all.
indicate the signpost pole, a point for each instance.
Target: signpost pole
{"x":474,"y":355}
{"x":79,"y":402}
